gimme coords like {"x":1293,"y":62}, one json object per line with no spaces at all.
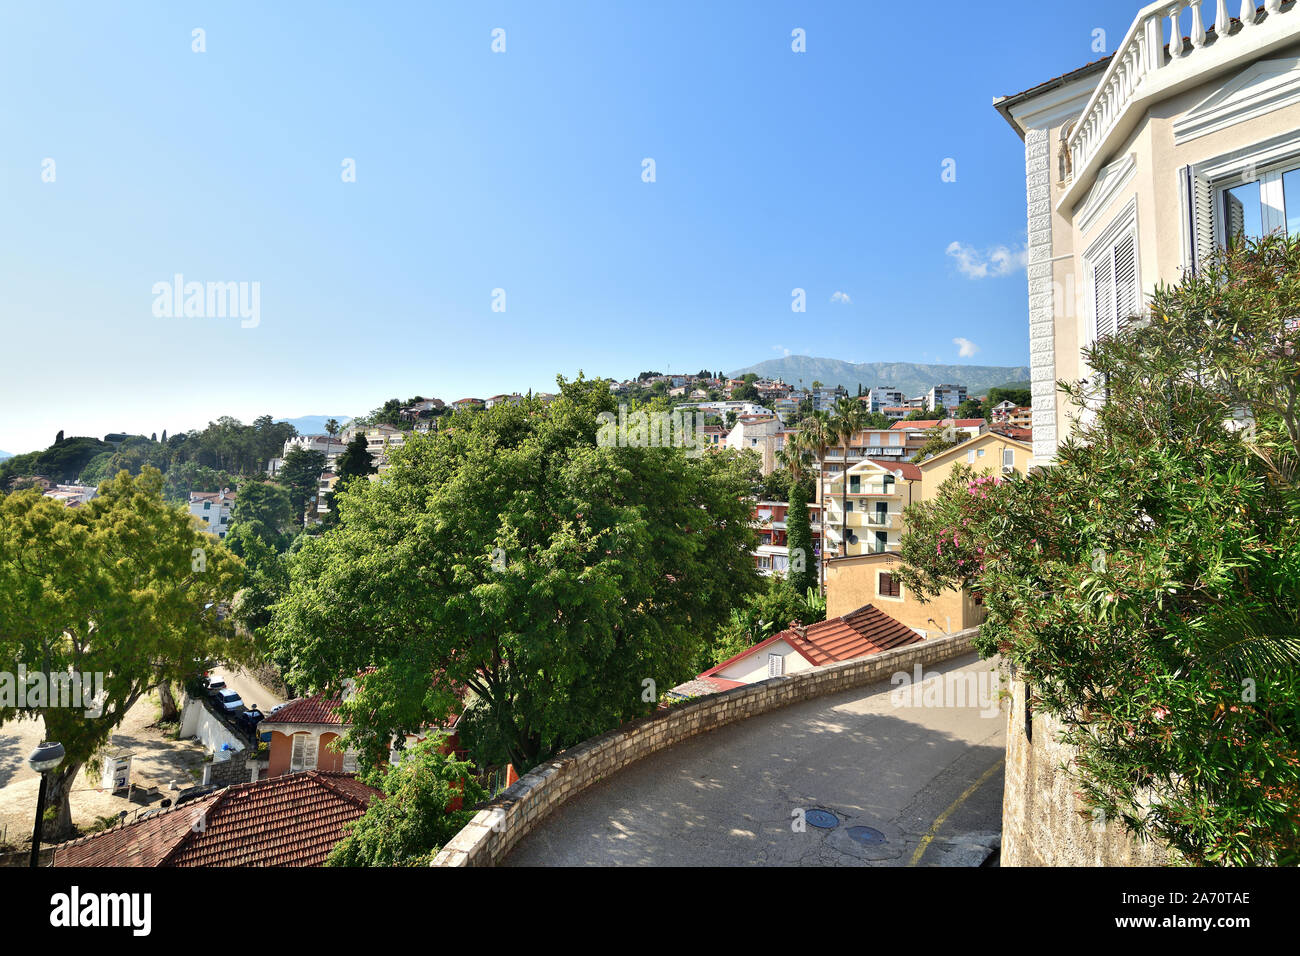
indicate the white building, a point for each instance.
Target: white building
{"x":212,"y":509}
{"x":881,"y":397}
{"x":947,"y":396}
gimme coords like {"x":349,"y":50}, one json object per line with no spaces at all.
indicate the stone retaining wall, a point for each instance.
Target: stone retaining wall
{"x":1044,"y":820}
{"x":519,"y":809}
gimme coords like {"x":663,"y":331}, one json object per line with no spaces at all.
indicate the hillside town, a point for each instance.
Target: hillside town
{"x":934,"y":619}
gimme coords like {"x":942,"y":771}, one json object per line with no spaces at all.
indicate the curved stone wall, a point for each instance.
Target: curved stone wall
{"x":516,"y":811}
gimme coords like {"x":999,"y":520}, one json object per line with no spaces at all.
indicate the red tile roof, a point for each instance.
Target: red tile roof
{"x":909,"y":470}
{"x":292,"y":820}
{"x":316,"y":709}
{"x":867,"y":630}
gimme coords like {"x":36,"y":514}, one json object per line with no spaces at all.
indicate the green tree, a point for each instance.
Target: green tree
{"x":816,"y":436}
{"x":300,"y":475}
{"x":512,"y":557}
{"x":265,"y":508}
{"x":939,"y":438}
{"x":1147,"y":585}
{"x":332,"y":427}
{"x":356,"y":460}
{"x":850,"y":418}
{"x":428,"y":797}
{"x":124,"y":587}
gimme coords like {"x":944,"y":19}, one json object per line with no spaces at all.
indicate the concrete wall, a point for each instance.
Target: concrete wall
{"x":211,"y":731}
{"x":1044,"y":823}
{"x":518,"y":810}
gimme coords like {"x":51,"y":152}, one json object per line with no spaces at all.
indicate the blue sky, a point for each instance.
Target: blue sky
{"x":519,"y":171}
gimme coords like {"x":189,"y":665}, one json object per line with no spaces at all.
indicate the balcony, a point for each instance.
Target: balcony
{"x":1144,"y":69}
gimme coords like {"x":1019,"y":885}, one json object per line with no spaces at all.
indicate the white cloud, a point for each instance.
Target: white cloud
{"x":965,"y":347}
{"x":998,"y":261}
{"x":842,"y":297}
{"x":782,"y":349}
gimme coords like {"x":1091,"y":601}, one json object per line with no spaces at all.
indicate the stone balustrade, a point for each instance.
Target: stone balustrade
{"x":1143,"y":54}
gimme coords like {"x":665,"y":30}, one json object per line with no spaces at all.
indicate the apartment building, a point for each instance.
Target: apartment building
{"x":865,"y":515}
{"x":869,"y":575}
{"x":882,"y":397}
{"x":1142,"y":164}
{"x":945,"y":396}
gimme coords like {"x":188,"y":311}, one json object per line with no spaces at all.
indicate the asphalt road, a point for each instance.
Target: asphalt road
{"x":924,"y":775}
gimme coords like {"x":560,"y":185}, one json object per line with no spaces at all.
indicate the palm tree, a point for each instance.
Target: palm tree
{"x":817,"y":435}
{"x":332,"y":427}
{"x":850,"y":418}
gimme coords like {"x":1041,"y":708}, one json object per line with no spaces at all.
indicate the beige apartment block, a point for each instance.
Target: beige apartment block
{"x":1139,"y":165}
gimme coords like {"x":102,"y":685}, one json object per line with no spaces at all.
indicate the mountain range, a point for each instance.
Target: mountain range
{"x":913,"y":378}
{"x":4,"y":455}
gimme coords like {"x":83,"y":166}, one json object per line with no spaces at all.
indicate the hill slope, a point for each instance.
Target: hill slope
{"x":912,"y":377}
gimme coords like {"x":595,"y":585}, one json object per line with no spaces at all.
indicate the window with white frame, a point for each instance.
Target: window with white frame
{"x":1113,"y":282}
{"x":1267,"y":203}
{"x":775,"y":665}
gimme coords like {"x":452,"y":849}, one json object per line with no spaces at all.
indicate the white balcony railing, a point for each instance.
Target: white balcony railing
{"x":1140,"y":58}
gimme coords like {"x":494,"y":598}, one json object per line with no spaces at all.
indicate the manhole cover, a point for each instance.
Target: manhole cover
{"x":822,"y":819}
{"x":869,"y":836}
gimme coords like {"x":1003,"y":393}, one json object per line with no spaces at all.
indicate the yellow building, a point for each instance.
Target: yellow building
{"x":990,"y":452}
{"x":866,"y":575}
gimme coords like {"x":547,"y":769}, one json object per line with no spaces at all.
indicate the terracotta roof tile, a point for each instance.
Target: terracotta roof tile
{"x":868,"y":630}
{"x":292,"y":820}
{"x":316,"y":709}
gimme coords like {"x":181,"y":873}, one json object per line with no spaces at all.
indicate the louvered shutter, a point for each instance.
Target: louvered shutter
{"x":309,"y":753}
{"x":1103,"y":285}
{"x":295,"y":758}
{"x":1198,"y":203}
{"x":1126,"y":292}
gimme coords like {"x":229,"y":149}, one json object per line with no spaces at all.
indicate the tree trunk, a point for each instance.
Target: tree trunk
{"x":821,"y":519}
{"x":844,"y":499}
{"x":170,"y":711}
{"x":57,"y":804}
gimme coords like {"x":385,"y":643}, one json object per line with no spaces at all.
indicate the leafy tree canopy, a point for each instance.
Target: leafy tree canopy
{"x":511,"y":559}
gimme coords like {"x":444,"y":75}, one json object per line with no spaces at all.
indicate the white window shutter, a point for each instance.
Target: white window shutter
{"x":775,"y":665}
{"x":309,"y":753}
{"x":1126,"y":291}
{"x":1103,"y":285}
{"x":1198,"y":204}
{"x":296,"y":755}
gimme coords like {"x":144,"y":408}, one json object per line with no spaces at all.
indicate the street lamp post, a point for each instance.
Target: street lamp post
{"x":44,"y":758}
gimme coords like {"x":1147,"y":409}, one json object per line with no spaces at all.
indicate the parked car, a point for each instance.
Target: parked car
{"x":215,"y":685}
{"x":228,"y":701}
